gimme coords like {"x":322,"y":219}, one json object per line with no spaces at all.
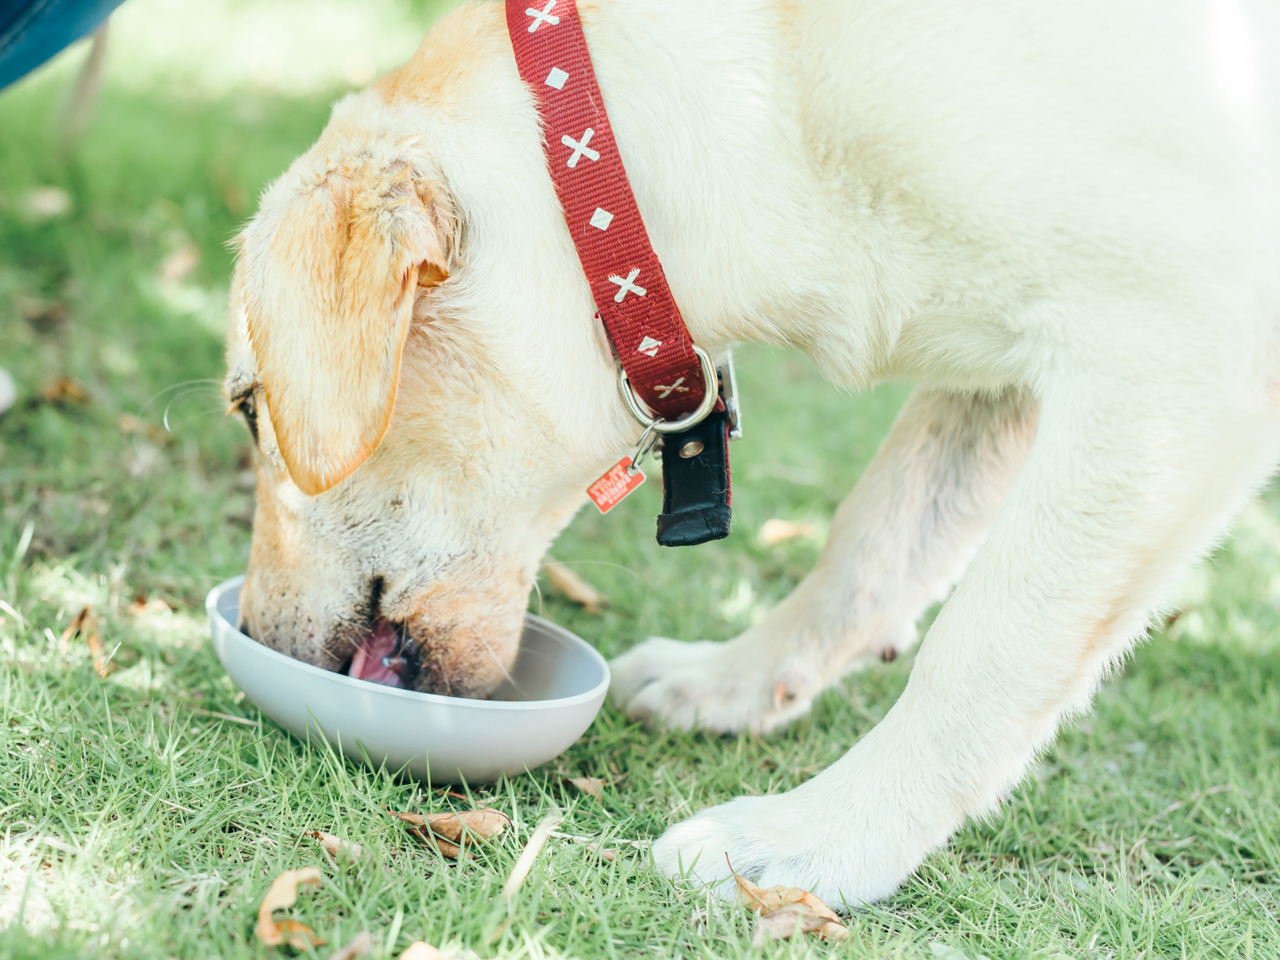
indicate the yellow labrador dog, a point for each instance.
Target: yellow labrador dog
{"x":1062,"y":221}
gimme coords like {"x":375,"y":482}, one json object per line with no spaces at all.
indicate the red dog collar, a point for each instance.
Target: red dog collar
{"x":639,"y":314}
{"x":659,"y":361}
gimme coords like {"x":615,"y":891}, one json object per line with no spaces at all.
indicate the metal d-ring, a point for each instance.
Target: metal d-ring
{"x":659,"y":425}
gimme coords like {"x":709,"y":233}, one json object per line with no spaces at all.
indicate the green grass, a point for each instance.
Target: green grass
{"x":137,"y":823}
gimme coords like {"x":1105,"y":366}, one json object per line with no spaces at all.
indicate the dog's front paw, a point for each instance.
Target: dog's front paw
{"x":710,"y":847}
{"x":721,"y":687}
{"x":774,"y":840}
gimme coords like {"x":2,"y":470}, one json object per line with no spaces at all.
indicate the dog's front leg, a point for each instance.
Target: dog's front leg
{"x":1118,"y":494}
{"x":897,"y":543}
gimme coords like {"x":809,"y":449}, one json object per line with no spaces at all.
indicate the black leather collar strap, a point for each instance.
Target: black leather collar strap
{"x":696,"y":492}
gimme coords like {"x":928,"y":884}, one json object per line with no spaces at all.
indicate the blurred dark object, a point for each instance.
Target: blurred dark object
{"x":45,"y":316}
{"x":32,"y":31}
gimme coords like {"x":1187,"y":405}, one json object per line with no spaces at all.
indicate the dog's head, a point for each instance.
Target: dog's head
{"x":411,"y":346}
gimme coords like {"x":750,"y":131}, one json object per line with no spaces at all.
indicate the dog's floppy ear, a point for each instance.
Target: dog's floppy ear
{"x":330,"y":280}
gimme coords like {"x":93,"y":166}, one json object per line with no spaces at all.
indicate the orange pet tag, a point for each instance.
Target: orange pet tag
{"x":615,"y":486}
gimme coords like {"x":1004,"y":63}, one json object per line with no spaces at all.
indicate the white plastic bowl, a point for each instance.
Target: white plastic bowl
{"x":556,"y":689}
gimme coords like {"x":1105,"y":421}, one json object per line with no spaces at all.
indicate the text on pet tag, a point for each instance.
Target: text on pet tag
{"x":616,"y":485}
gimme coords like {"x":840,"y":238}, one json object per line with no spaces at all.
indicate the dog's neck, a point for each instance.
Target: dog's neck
{"x":758,"y":242}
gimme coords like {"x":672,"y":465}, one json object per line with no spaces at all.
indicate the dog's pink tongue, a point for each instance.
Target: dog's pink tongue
{"x":376,"y":658}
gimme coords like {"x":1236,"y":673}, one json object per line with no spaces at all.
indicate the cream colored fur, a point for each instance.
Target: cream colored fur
{"x":1061,"y":220}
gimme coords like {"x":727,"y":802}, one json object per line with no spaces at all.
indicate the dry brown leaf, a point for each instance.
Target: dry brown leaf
{"x":85,"y":624}
{"x":787,"y":922}
{"x":64,"y":390}
{"x":591,"y":785}
{"x":450,"y":832}
{"x":282,"y":894}
{"x":784,"y":911}
{"x":419,"y":829}
{"x":417,"y":819}
{"x":336,"y":846}
{"x":777,"y":530}
{"x":73,"y":628}
{"x":455,"y":827}
{"x":572,"y":587}
{"x":141,"y":605}
{"x":359,"y":946}
{"x":451,"y":850}
{"x":421,"y":950}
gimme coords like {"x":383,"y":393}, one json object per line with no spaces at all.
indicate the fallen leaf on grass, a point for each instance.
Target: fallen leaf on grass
{"x":590,"y":785}
{"x":63,"y":391}
{"x":455,"y":827}
{"x":336,"y":846}
{"x":284,"y":893}
{"x":421,"y":950}
{"x":141,"y":605}
{"x":360,"y":945}
{"x":786,"y":911}
{"x":85,"y":624}
{"x":776,"y":530}
{"x":450,"y":832}
{"x":572,"y":587}
{"x":786,"y":922}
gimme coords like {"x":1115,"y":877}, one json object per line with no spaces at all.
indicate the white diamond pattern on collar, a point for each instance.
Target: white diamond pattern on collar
{"x":601,"y":219}
{"x":556,"y":78}
{"x":649,"y":346}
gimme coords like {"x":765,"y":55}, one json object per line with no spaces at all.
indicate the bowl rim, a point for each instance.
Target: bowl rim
{"x":369,"y":687}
